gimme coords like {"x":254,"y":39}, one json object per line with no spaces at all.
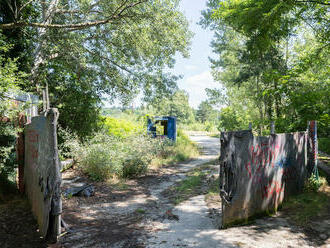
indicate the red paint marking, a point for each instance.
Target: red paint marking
{"x":33,"y":136}
{"x":34,"y":153}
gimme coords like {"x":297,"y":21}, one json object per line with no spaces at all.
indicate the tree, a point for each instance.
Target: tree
{"x":205,"y":112}
{"x":257,"y":48}
{"x":100,"y":49}
{"x":176,"y":105}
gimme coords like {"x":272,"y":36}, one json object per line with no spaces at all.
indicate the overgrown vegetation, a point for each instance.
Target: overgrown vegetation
{"x":324,"y":145}
{"x":124,"y":150}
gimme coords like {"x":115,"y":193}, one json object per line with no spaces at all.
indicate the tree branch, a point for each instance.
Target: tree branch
{"x":73,"y":25}
{"x":109,"y":60}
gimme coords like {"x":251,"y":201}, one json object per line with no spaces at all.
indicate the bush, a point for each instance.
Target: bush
{"x":313,"y":184}
{"x":171,"y":152}
{"x":122,"y":149}
{"x":122,"y":128}
{"x":104,"y":156}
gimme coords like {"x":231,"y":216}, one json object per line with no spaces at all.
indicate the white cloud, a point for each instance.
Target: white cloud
{"x":195,"y":86}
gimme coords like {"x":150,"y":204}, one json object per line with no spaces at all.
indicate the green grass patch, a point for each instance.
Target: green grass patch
{"x":308,"y":205}
{"x":304,"y":207}
{"x":190,"y":183}
{"x":187,"y":188}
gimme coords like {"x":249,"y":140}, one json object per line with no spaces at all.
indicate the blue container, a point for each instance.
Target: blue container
{"x":169,"y":124}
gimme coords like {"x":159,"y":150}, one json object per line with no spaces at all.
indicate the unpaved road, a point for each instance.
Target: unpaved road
{"x":134,"y":215}
{"x":195,"y":228}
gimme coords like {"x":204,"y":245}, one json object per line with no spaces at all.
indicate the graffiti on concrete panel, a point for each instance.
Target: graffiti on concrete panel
{"x":257,"y":173}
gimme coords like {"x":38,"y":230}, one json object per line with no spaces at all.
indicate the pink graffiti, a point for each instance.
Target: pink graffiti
{"x":261,"y":156}
{"x":272,"y":189}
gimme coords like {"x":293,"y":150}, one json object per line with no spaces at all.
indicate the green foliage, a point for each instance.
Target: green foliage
{"x":122,"y":128}
{"x":176,"y":105}
{"x":105,"y":156}
{"x":324,"y":145}
{"x":206,"y":113}
{"x":231,"y":119}
{"x":313,"y":183}
{"x":10,"y":79}
{"x":268,"y":73}
{"x":129,"y":52}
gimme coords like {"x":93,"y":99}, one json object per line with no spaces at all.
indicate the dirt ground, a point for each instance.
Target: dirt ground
{"x":18,"y":228}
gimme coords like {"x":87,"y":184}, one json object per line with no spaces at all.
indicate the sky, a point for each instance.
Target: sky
{"x":196,"y":70}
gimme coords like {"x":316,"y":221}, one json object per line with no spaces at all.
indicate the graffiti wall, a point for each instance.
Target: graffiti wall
{"x":258,"y":173}
{"x":42,"y":176}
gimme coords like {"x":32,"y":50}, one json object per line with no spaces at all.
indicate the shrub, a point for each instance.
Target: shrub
{"x":122,"y":128}
{"x":313,"y":184}
{"x":104,"y":156}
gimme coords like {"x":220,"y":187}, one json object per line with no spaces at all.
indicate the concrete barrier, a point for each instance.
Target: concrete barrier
{"x":258,"y":173}
{"x":42,"y":176}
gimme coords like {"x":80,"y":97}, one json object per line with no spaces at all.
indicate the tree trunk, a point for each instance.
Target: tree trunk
{"x":39,"y":56}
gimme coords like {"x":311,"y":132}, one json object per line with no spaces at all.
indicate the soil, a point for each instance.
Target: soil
{"x":18,"y":228}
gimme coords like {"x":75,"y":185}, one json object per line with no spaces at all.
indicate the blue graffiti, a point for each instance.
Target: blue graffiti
{"x":284,"y":162}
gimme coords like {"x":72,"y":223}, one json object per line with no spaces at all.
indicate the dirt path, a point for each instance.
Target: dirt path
{"x":139,"y":214}
{"x":122,"y":216}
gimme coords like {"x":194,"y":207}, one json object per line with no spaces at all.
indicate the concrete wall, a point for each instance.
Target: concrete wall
{"x":258,"y":173}
{"x":42,"y":176}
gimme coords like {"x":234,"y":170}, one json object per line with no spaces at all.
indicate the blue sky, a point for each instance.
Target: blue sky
{"x":196,"y":69}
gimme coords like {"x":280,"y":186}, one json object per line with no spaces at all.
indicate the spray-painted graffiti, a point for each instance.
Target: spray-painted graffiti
{"x":272,"y":189}
{"x":263,"y":171}
{"x":265,"y":157}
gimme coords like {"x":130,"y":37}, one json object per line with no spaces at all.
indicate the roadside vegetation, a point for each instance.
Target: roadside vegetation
{"x":311,"y":205}
{"x":122,"y":149}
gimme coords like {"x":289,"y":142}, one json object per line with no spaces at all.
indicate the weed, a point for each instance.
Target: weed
{"x":313,"y":184}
